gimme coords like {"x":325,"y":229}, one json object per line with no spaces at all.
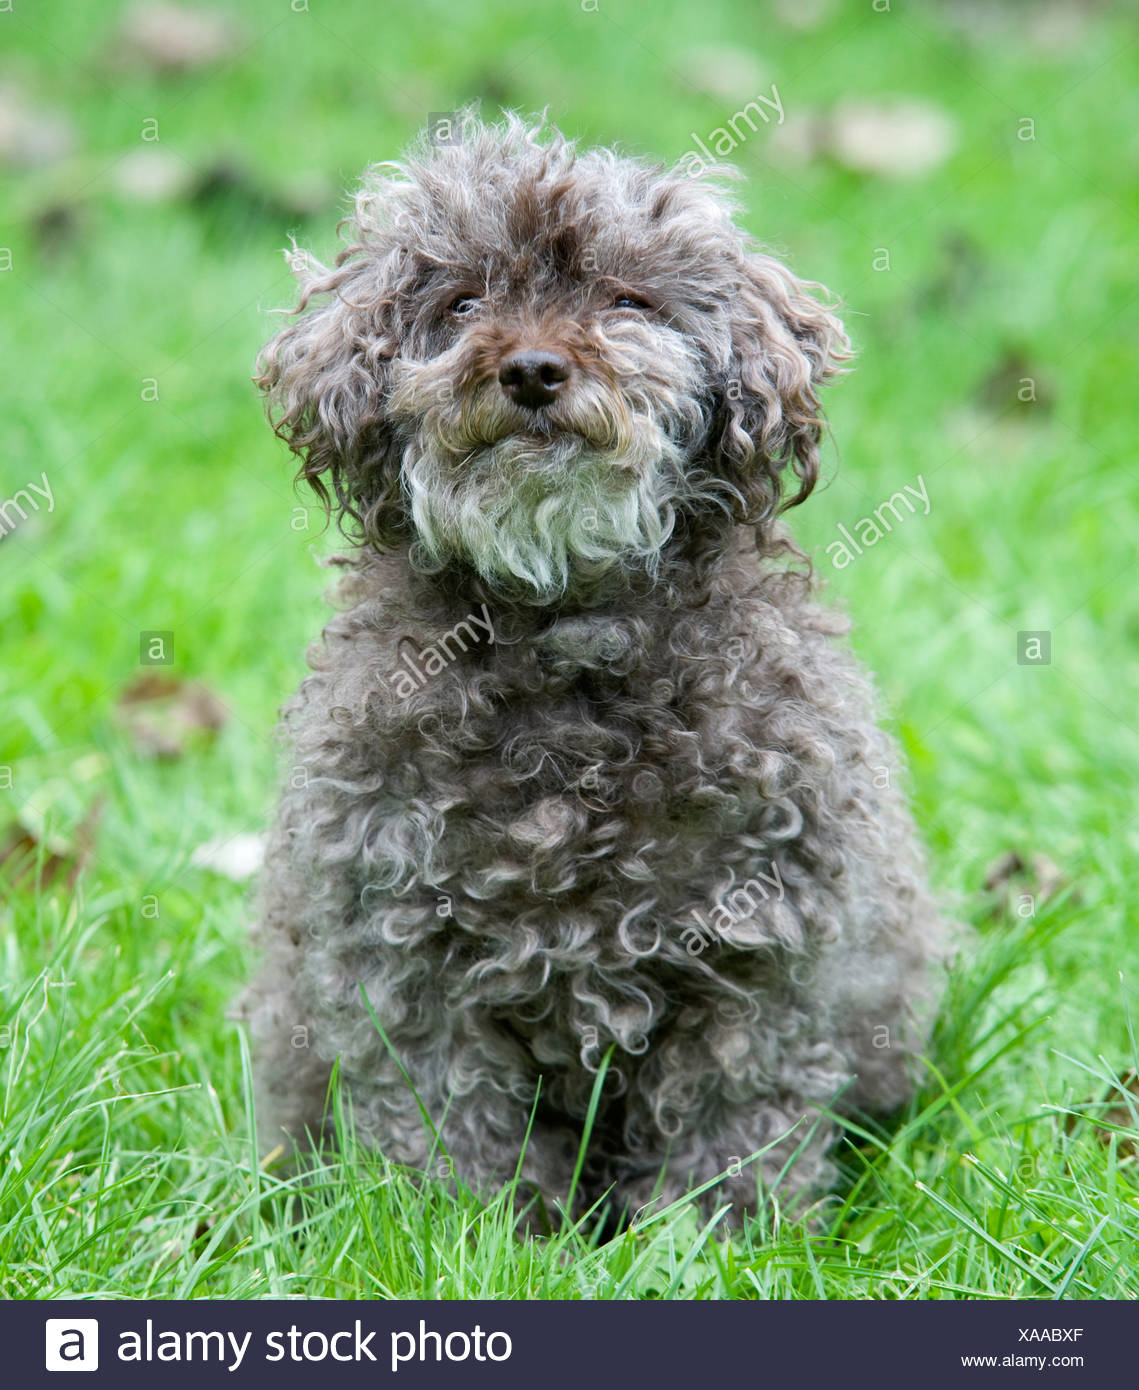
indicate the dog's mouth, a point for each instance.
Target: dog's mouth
{"x":561,"y":434}
{"x":554,"y":447}
{"x":480,"y":422}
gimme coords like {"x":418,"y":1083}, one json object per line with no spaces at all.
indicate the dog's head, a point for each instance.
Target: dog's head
{"x":533,"y":361}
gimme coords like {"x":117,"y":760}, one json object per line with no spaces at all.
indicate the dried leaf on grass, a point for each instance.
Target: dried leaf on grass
{"x":173,"y":38}
{"x":725,"y":71}
{"x":898,"y":138}
{"x":1016,"y":879}
{"x":164,"y":715}
{"x":238,"y":857}
{"x":229,"y":185}
{"x":151,"y":176}
{"x":1014,"y":380}
{"x":57,"y":228}
{"x":805,"y":15}
{"x":31,"y":136}
{"x":1049,"y":25}
{"x":30,"y":856}
{"x":1116,"y":1109}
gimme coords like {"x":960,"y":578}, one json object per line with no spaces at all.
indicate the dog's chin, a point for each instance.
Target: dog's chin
{"x":544,"y":514}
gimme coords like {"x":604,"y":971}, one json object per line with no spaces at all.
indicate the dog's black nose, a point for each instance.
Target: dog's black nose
{"x":533,"y":378}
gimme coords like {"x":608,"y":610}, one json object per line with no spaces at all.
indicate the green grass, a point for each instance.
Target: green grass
{"x":128,"y":1165}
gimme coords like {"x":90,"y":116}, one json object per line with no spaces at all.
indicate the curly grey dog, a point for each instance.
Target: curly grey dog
{"x":580,"y":769}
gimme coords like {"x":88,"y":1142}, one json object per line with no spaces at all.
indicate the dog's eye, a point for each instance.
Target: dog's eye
{"x":464,"y":304}
{"x":631,"y":301}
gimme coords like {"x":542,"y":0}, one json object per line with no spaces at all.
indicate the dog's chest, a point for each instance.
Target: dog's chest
{"x":582,"y":806}
{"x":553,"y":831}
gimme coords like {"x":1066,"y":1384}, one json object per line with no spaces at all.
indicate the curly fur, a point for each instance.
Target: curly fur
{"x":511,"y":854}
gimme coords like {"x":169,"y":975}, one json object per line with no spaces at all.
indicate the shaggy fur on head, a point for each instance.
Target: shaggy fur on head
{"x":580,"y":765}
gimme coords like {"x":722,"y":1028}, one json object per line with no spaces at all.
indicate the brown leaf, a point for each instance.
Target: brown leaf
{"x":1049,"y":25}
{"x":164,"y":714}
{"x":1001,"y":871}
{"x":1111,"y":1112}
{"x":900,"y":138}
{"x":177,"y":38}
{"x":151,"y":176}
{"x":1014,"y":381}
{"x":731,"y":74}
{"x":1014,"y":879}
{"x":31,"y":136}
{"x":959,"y":277}
{"x":895,"y":138}
{"x":57,"y":228}
{"x":805,"y":15}
{"x":227,"y":184}
{"x":27,"y":858}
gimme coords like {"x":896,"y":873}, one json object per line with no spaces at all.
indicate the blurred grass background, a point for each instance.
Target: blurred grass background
{"x":989,"y":281}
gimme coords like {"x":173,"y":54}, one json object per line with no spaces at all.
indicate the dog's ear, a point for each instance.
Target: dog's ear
{"x":785,"y":344}
{"x":326,"y":378}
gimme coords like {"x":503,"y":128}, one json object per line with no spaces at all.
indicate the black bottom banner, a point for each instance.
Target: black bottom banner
{"x":328,"y":1345}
